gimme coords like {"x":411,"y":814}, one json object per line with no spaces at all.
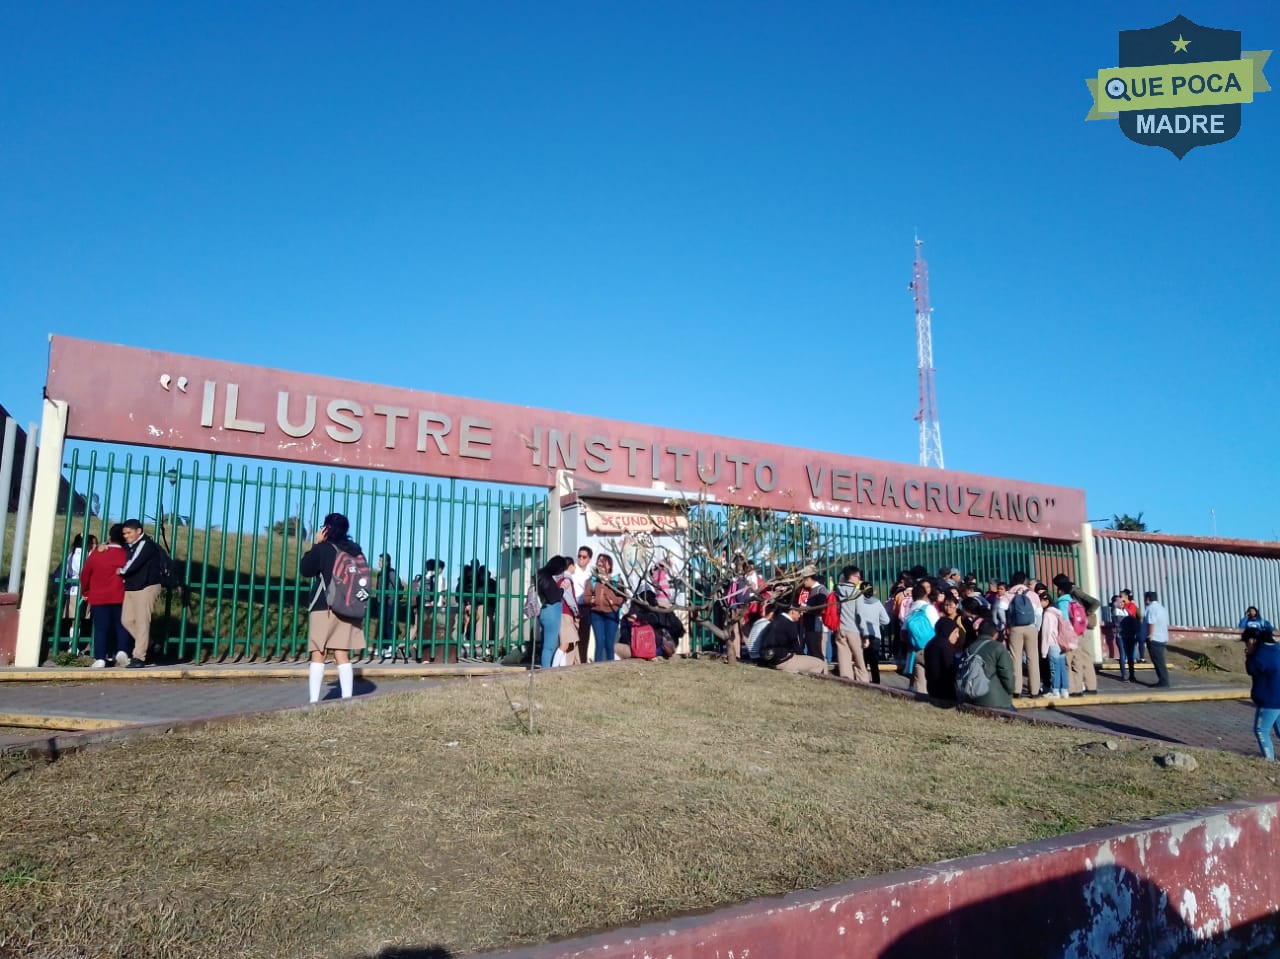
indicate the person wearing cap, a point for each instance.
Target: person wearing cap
{"x":815,"y":600}
{"x":998,"y":665}
{"x":781,"y":648}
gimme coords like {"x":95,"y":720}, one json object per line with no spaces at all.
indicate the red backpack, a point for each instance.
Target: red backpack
{"x":349,"y":585}
{"x":644,"y":642}
{"x":831,"y":612}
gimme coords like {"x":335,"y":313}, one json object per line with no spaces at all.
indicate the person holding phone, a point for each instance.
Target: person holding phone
{"x":327,"y":631}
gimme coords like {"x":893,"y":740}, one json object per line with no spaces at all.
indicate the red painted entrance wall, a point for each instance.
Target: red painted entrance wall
{"x":183,"y":402}
{"x":1199,"y":883}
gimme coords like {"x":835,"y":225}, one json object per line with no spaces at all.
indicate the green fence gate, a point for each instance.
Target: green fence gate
{"x":460,"y":557}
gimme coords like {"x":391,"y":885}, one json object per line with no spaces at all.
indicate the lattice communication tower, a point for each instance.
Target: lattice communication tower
{"x":927,"y":414}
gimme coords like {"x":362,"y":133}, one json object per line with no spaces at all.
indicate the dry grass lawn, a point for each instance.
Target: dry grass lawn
{"x":435,"y":819}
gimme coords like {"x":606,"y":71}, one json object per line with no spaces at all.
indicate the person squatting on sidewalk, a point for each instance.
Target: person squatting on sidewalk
{"x":327,"y":631}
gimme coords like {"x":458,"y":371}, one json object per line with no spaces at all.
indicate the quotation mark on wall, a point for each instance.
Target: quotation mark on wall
{"x":1050,"y":501}
{"x":166,"y":381}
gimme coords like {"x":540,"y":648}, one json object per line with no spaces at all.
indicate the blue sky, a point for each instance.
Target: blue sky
{"x":699,"y":215}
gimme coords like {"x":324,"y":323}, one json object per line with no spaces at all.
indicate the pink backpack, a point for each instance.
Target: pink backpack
{"x":1079,"y":620}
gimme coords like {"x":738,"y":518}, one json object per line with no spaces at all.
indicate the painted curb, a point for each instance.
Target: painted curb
{"x":1134,"y":699}
{"x":62,"y":723}
{"x":294,"y":671}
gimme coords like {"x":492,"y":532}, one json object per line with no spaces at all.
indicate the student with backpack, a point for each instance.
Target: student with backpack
{"x":1020,"y":607}
{"x":986,"y":662}
{"x":148,"y":570}
{"x":918,"y":630}
{"x":848,"y":638}
{"x":339,"y":602}
{"x":1084,"y":679}
{"x":1057,"y":639}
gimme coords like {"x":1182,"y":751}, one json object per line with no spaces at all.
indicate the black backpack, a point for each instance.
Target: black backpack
{"x":170,"y":572}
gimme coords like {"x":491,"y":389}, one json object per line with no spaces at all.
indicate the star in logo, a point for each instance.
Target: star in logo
{"x":1180,"y":45}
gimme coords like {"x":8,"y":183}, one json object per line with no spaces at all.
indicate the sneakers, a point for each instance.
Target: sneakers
{"x":134,"y":664}
{"x":1052,"y":694}
{"x":122,"y":658}
{"x":99,"y":664}
{"x":1091,"y":692}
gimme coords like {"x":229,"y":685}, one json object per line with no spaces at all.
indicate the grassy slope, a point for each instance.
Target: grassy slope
{"x":434,"y":818}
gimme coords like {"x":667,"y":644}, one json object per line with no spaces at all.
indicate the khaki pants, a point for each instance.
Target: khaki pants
{"x":849,"y":659}
{"x":1082,"y":674}
{"x":135,"y":616}
{"x":1025,"y":639}
{"x":810,"y":665}
{"x":918,"y":679}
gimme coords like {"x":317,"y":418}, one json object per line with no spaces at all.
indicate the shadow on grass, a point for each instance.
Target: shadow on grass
{"x":411,"y":952}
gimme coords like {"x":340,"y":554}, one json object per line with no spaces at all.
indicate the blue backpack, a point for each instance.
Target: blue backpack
{"x":919,"y":628}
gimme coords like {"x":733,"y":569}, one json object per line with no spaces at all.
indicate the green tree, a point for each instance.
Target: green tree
{"x":1128,"y":524}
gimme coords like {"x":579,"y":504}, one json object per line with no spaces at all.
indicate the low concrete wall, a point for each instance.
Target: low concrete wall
{"x":8,"y":627}
{"x":1195,"y":884}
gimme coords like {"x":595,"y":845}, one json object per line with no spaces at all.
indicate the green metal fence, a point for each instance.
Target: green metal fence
{"x":883,"y":552}
{"x":461,"y":558}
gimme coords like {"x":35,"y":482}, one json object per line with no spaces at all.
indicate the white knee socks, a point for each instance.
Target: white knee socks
{"x":316,"y":678}
{"x":345,"y":678}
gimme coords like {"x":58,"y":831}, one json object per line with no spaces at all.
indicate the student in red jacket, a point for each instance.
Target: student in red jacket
{"x":102,"y":587}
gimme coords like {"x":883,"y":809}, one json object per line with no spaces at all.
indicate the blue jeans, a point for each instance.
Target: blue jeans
{"x":605,"y":628}
{"x":109,"y":637}
{"x":549,"y":620}
{"x":1265,"y":720}
{"x":1058,"y":670}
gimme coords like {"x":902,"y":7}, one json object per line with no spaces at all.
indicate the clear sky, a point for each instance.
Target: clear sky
{"x":693,"y":214}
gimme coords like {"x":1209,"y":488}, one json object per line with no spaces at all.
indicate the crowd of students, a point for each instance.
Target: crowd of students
{"x":574,"y":601}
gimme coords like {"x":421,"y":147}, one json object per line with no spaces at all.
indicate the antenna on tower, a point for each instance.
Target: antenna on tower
{"x":927,"y":414}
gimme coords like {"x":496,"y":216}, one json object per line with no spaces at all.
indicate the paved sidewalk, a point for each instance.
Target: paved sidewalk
{"x":166,"y":700}
{"x":1221,"y":724}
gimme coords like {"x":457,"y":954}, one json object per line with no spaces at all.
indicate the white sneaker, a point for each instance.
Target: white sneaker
{"x":99,"y":664}
{"x":1051,"y":694}
{"x":122,"y":658}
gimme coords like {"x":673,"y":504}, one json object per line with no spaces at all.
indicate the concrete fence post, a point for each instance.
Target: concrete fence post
{"x":44,"y":513}
{"x":1089,"y":572}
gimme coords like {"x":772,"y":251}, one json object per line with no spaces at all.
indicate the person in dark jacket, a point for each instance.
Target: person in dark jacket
{"x":551,"y":595}
{"x":1262,"y":660}
{"x":782,"y":649}
{"x":940,"y":660}
{"x":327,"y":631}
{"x":143,"y":575}
{"x":998,"y":665}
